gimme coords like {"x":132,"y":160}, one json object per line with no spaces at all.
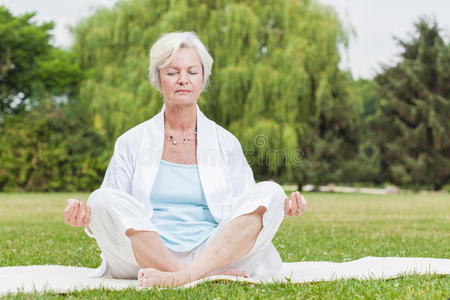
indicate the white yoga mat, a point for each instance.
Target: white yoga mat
{"x":66,"y":279}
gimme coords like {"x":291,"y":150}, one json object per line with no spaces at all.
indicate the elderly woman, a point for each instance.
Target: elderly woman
{"x":179,"y":201}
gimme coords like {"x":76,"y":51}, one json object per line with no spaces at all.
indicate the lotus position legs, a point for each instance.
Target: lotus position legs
{"x":234,"y":242}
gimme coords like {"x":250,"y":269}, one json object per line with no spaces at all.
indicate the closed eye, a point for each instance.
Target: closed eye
{"x":173,"y":73}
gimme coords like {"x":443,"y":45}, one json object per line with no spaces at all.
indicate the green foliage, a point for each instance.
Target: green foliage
{"x":275,"y":75}
{"x":275,"y":84}
{"x":50,"y":148}
{"x":366,"y":91}
{"x":365,"y":167}
{"x":44,"y":146}
{"x":413,"y":121}
{"x":29,"y":64}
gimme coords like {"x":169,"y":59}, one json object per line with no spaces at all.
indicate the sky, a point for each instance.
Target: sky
{"x":375,"y":23}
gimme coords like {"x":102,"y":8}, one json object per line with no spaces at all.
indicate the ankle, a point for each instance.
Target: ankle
{"x":193,"y":272}
{"x":179,"y":267}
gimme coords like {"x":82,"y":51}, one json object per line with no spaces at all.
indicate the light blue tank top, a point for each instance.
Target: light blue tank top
{"x":180,"y":212}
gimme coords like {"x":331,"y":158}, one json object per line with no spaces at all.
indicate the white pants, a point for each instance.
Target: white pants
{"x":114,"y":212}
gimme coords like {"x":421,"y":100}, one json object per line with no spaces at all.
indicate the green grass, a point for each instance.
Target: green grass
{"x":336,"y":227}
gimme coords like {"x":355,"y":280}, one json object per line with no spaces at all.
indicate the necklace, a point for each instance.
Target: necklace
{"x":185,"y":139}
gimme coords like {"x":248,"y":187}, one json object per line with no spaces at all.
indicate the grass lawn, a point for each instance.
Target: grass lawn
{"x":336,"y":227}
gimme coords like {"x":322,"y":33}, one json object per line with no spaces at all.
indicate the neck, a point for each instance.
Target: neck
{"x":181,"y":118}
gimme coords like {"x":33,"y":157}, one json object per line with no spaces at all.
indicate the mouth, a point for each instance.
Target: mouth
{"x":182,"y":91}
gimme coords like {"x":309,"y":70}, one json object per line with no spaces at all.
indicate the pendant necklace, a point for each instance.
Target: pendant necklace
{"x":185,"y":139}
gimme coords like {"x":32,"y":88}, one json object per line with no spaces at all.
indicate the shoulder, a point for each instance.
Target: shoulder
{"x":233,"y":152}
{"x":131,"y":138}
{"x":227,"y":140}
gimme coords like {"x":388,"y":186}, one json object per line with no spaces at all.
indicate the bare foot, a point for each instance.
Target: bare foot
{"x":229,"y":272}
{"x":153,"y":277}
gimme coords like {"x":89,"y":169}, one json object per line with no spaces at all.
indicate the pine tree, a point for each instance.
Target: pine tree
{"x":413,"y":122}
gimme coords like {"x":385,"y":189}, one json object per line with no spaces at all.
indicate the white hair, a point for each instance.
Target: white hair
{"x":166,"y":48}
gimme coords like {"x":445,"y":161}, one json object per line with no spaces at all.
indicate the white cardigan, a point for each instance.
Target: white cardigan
{"x":224,"y":172}
{"x":223,"y":169}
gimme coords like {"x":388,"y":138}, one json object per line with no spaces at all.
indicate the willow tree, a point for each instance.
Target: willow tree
{"x":275,"y":83}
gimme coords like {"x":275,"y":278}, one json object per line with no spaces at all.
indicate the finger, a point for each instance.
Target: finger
{"x":287,"y":206}
{"x":293,"y":207}
{"x":75,"y":217}
{"x":84,"y":220}
{"x":87,"y":216}
{"x":68,"y":206}
{"x":69,"y":211}
{"x":299,"y":204}
{"x":81,"y":214}
{"x":293,"y":203}
{"x":74,"y":209}
{"x":74,"y":213}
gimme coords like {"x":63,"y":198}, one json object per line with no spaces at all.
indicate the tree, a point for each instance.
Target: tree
{"x":413,"y":121}
{"x":45,"y":143}
{"x":365,"y":166}
{"x":30,"y":65}
{"x":50,"y":148}
{"x":276,"y":82}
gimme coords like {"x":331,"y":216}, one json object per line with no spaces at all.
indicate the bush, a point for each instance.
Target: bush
{"x":50,"y":148}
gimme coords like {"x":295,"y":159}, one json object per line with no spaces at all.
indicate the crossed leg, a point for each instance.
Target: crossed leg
{"x":129,"y":241}
{"x":233,"y":242}
{"x":159,"y":258}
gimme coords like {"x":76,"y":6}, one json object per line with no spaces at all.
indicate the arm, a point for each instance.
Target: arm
{"x":119,"y":173}
{"x":239,"y":172}
{"x":118,"y":176}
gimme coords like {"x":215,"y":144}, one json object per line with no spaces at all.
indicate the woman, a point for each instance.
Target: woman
{"x":179,"y":201}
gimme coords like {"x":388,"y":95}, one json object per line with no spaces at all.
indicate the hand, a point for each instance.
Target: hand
{"x":76,"y":213}
{"x":294,"y":206}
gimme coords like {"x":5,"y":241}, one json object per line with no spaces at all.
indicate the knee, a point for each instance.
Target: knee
{"x":273,"y":189}
{"x":275,"y":192}
{"x":100,"y":200}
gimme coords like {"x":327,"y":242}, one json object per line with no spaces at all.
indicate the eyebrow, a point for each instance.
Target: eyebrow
{"x":192,"y":66}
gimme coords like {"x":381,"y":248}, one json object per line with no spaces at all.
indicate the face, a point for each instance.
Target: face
{"x":182,"y":81}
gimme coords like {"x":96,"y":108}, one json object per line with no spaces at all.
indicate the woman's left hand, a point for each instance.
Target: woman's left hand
{"x":295,"y":206}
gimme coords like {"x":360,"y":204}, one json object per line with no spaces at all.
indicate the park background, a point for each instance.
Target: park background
{"x":277,"y":85}
{"x":282,"y":83}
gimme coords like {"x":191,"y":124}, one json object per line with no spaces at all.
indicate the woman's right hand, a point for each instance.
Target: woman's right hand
{"x":76,"y":213}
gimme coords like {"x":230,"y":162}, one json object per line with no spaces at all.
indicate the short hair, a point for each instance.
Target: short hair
{"x":165,"y":49}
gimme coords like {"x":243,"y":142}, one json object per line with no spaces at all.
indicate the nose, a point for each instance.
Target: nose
{"x":182,"y":79}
